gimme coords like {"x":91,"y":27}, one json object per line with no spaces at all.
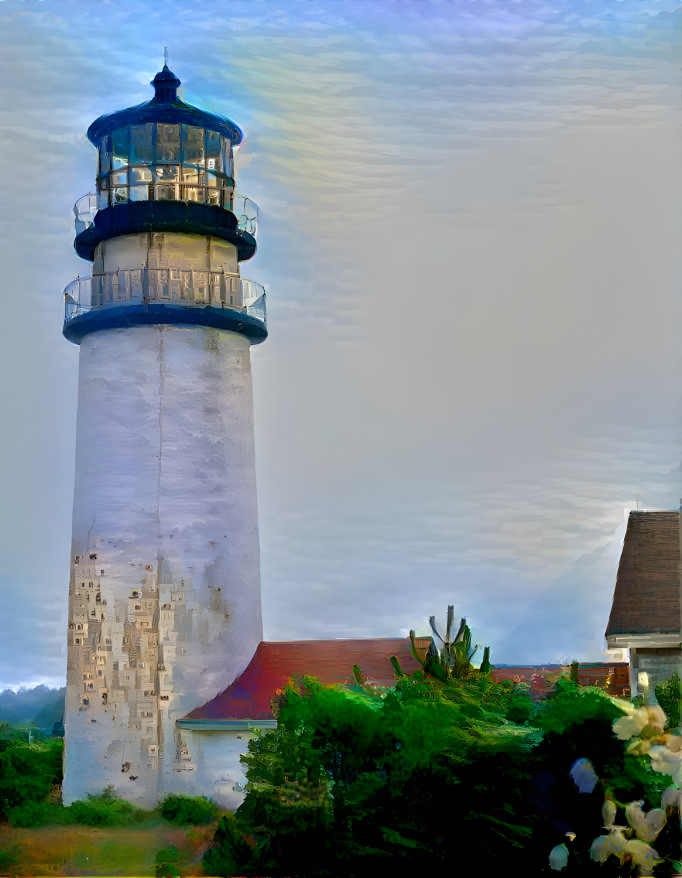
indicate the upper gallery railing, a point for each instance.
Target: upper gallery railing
{"x":242,"y":207}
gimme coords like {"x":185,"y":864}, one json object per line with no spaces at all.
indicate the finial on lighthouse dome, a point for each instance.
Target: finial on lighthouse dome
{"x":166,"y":85}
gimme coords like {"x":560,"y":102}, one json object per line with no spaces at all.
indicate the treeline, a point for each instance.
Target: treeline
{"x":40,"y":706}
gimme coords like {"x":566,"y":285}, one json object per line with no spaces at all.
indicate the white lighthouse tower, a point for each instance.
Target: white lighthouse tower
{"x":164,"y":596}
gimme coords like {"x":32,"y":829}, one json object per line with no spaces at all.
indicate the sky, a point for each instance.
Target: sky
{"x":469,"y":236}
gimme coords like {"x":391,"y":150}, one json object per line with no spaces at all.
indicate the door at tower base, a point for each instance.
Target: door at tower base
{"x":164,"y":598}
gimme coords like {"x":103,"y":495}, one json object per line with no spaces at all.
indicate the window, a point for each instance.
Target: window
{"x":105,"y":155}
{"x":142,"y":144}
{"x":93,"y":557}
{"x":76,"y":559}
{"x":192,"y":145}
{"x":119,"y":142}
{"x":145,"y":162}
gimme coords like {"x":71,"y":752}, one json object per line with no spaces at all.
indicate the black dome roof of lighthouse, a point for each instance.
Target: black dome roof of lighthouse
{"x":167,"y":108}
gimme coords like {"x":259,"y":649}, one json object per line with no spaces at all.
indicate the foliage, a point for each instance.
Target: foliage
{"x":167,"y":862}
{"x":36,"y":814}
{"x":28,"y":772}
{"x":446,"y":765}
{"x":10,"y":859}
{"x":453,"y":660}
{"x":668,"y":696}
{"x":351,"y":781}
{"x":197,"y":810}
{"x":104,"y":809}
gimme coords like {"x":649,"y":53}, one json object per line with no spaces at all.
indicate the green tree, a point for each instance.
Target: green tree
{"x":668,"y":696}
{"x":352,"y":781}
{"x":197,"y":810}
{"x":28,"y":772}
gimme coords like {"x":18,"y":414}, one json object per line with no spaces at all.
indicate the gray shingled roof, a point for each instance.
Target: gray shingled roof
{"x":646,"y":599}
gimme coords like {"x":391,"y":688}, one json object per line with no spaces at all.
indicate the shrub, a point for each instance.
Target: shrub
{"x":10,"y":858}
{"x":668,"y":696}
{"x":167,"y":862}
{"x":188,"y":809}
{"x":28,"y":772}
{"x":105,"y":809}
{"x":36,"y":814}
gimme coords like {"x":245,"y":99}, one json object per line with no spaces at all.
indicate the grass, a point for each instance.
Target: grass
{"x":104,"y":851}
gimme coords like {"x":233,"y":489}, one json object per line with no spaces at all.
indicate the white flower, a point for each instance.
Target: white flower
{"x":671,"y":798}
{"x":608,"y":813}
{"x":598,"y":851}
{"x":642,"y":854}
{"x":628,"y":726}
{"x":646,"y":826}
{"x":584,"y":775}
{"x":664,"y":760}
{"x":558,"y":857}
{"x":614,"y":843}
{"x":656,"y":719}
{"x":674,"y":743}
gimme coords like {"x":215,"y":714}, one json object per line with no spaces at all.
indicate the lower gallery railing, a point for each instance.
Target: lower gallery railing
{"x":158,"y":285}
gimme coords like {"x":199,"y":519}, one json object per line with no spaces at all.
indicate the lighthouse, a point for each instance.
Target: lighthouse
{"x":164,"y":593}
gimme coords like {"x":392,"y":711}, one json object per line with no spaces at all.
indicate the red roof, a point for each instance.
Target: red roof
{"x":331,"y":661}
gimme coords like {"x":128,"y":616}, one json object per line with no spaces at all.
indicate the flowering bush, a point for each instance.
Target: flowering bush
{"x":629,"y":845}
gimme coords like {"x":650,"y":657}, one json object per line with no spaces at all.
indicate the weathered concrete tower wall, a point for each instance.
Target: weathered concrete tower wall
{"x":164,"y":598}
{"x":165,"y":567}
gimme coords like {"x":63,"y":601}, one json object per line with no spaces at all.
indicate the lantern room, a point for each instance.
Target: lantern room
{"x":161,"y":153}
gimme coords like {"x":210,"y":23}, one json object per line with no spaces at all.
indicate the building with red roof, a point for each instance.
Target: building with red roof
{"x":247,"y":702}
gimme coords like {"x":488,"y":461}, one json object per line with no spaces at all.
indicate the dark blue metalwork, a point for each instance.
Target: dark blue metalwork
{"x":123,"y":316}
{"x":167,"y":108}
{"x":190,"y":217}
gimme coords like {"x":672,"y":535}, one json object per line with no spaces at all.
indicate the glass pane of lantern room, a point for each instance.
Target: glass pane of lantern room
{"x":141,"y":145}
{"x":192,"y":145}
{"x":105,"y":154}
{"x":167,"y":143}
{"x":227,"y":160}
{"x":119,"y":139}
{"x":213,"y":155}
